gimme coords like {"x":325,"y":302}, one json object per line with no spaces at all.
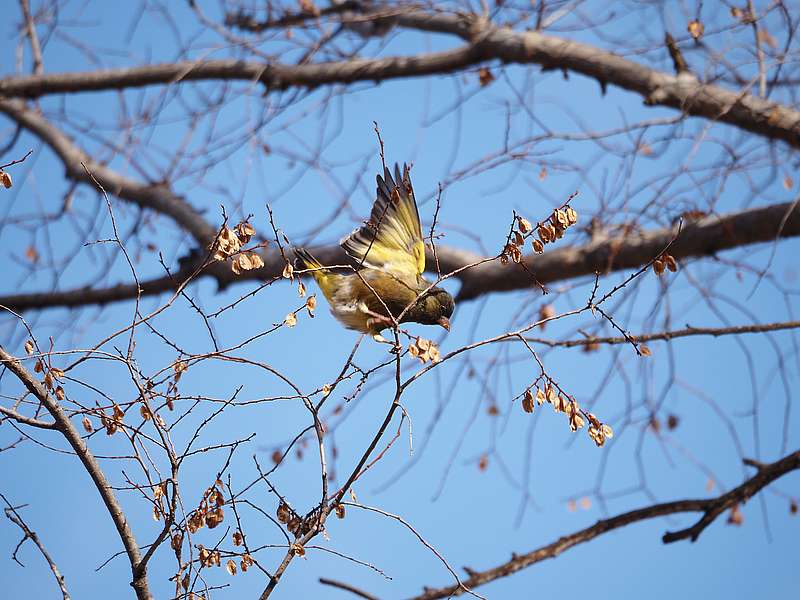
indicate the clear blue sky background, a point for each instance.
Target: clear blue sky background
{"x":473,"y":518}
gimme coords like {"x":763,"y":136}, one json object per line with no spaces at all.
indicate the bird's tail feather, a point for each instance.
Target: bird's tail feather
{"x":307,"y":261}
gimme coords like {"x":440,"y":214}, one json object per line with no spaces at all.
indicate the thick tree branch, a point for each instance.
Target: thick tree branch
{"x":155,"y":196}
{"x":73,"y":437}
{"x":704,"y":237}
{"x":710,"y":507}
{"x":668,"y":335}
{"x":485,"y":42}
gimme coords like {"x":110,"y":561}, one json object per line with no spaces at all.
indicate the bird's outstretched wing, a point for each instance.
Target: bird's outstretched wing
{"x":392,"y":238}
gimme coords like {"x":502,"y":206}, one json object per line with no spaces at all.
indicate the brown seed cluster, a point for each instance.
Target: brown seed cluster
{"x":51,"y":374}
{"x":228,"y":244}
{"x":561,"y":403}
{"x":663,"y":262}
{"x":547,"y":231}
{"x":209,"y":512}
{"x":112,"y":423}
{"x":5,"y":179}
{"x":293,"y":521}
{"x":425,"y":350}
{"x":159,"y":495}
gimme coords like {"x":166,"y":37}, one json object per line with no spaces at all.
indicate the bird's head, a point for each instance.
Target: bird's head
{"x":435,"y":308}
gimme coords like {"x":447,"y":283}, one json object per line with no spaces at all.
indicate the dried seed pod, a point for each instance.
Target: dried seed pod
{"x":527,"y":401}
{"x":572,"y":215}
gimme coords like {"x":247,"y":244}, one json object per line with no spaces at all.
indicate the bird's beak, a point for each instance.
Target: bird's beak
{"x":444,"y":322}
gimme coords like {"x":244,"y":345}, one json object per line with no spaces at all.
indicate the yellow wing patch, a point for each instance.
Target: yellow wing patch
{"x":392,"y":238}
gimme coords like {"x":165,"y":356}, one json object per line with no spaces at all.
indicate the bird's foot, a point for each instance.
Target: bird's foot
{"x":395,"y":348}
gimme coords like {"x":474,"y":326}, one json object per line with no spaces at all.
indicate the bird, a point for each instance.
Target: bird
{"x":390,"y":254}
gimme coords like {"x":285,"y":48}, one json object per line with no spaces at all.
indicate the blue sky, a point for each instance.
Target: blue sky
{"x":471,"y":517}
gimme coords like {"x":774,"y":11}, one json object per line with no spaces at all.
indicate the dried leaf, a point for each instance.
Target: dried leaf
{"x":735,"y":517}
{"x":87,"y":425}
{"x":524,"y":225}
{"x":340,"y":512}
{"x":540,"y":397}
{"x":238,"y":538}
{"x":546,"y":311}
{"x":288,"y":271}
{"x":284,"y":513}
{"x":231,"y":567}
{"x":214,"y":518}
{"x":645,"y":350}
{"x":485,"y":76}
{"x":5,"y":179}
{"x":544,"y":234}
{"x":244,"y":231}
{"x":179,"y":367}
{"x":572,"y":215}
{"x":696,"y":29}
{"x":29,"y":347}
{"x":290,"y":320}
{"x":483,"y":463}
{"x":528,"y":401}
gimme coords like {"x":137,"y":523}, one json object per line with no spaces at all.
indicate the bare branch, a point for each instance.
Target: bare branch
{"x":155,"y":196}
{"x":486,"y":42}
{"x":704,"y":237}
{"x":29,"y":534}
{"x":669,"y":335}
{"x":711,"y":507}
{"x":91,"y":465}
{"x":347,"y":587}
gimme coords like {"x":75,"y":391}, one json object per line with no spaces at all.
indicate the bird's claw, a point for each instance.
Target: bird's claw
{"x":395,"y":348}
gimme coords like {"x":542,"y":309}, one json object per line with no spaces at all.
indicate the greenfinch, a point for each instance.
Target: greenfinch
{"x":390,"y":255}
